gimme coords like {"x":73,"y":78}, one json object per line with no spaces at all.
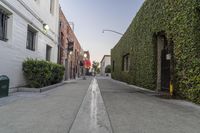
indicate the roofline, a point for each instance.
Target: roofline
{"x":105,"y":56}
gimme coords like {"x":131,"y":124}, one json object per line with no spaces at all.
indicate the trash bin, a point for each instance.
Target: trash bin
{"x":4,"y":86}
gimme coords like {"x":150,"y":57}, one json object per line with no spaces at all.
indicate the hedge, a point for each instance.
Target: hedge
{"x":180,"y":20}
{"x":194,"y":95}
{"x":39,"y":73}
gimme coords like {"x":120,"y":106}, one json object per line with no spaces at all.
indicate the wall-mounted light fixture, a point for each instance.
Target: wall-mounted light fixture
{"x":46,"y":27}
{"x":168,"y":56}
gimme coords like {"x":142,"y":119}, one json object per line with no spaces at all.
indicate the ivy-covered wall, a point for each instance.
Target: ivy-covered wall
{"x":180,"y":20}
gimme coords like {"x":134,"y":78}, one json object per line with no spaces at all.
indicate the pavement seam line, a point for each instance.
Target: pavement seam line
{"x":106,"y":108}
{"x":92,"y":116}
{"x":80,"y":107}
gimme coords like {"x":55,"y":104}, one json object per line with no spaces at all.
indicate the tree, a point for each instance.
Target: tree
{"x":95,"y":66}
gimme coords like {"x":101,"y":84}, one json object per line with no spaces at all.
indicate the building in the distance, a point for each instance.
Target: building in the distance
{"x":106,"y":60}
{"x":87,"y":62}
{"x":28,"y":29}
{"x":70,"y":53}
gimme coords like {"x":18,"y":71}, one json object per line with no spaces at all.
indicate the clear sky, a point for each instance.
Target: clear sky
{"x":90,"y":17}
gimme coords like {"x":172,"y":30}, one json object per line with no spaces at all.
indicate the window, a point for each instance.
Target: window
{"x":52,"y":4}
{"x":48,"y":53}
{"x":31,"y":37}
{"x":37,"y":1}
{"x":3,"y":25}
{"x":126,"y":62}
{"x":75,"y":54}
{"x":113,"y":66}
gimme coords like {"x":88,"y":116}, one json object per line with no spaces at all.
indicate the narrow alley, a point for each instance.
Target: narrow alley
{"x":96,"y":105}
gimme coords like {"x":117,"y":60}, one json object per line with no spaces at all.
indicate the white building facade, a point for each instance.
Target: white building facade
{"x":28,"y":29}
{"x":104,"y":63}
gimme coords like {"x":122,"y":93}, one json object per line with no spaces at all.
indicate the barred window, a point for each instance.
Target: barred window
{"x":3,"y":25}
{"x":31,"y":36}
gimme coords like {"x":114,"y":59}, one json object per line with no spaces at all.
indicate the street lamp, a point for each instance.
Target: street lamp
{"x":84,"y":58}
{"x":85,"y":55}
{"x":113,"y":32}
{"x":70,"y":53}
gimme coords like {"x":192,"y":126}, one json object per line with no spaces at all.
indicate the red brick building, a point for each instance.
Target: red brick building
{"x":70,"y":53}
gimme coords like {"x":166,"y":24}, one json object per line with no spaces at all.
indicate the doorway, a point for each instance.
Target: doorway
{"x":165,"y":69}
{"x":164,"y":63}
{"x":66,"y":70}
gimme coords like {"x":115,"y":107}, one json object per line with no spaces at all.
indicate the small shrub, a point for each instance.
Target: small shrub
{"x":108,"y":69}
{"x":41,"y":73}
{"x":57,"y":73}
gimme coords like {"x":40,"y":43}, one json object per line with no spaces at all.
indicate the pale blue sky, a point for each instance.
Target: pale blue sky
{"x":90,"y":17}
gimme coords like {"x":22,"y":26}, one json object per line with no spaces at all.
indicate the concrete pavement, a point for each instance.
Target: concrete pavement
{"x":92,"y":116}
{"x":49,"y":112}
{"x":137,"y":111}
{"x":80,"y":107}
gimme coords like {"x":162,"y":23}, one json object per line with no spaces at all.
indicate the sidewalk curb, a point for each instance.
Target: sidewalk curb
{"x":172,"y":101}
{"x":133,"y":86}
{"x":39,"y":90}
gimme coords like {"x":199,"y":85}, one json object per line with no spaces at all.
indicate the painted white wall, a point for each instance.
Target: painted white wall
{"x":105,"y":62}
{"x":13,"y":52}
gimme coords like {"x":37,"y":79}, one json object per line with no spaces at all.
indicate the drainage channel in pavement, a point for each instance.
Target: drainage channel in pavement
{"x":92,"y":116}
